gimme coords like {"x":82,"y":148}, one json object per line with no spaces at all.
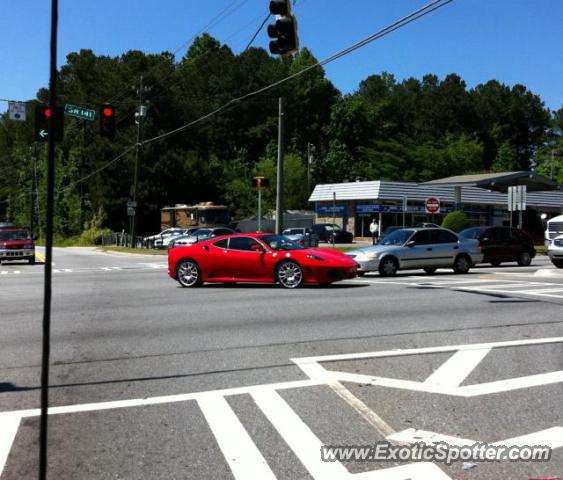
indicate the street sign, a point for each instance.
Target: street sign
{"x":432,"y":205}
{"x":130,"y":212}
{"x":131,"y":204}
{"x":517,"y":198}
{"x":80,"y":112}
{"x":16,"y":111}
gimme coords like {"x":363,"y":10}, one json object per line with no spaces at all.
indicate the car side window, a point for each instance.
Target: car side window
{"x":443,"y":236}
{"x":493,"y":234}
{"x":422,"y":238}
{"x":246,"y":244}
{"x":222,"y":243}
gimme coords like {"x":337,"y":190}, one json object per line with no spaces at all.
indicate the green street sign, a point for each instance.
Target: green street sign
{"x":79,"y":112}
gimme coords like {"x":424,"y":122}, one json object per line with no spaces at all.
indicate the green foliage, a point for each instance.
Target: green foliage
{"x":456,"y":221}
{"x":409,"y":130}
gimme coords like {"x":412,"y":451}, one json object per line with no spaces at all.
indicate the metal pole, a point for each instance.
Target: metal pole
{"x":136,"y":174}
{"x":333,"y":217}
{"x":259,"y":209}
{"x":404,"y":211}
{"x":46,"y":343}
{"x":279,"y":183}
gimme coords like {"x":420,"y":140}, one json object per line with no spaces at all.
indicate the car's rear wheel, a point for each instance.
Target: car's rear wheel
{"x":558,"y":263}
{"x":525,"y":259}
{"x":462,"y":264}
{"x":388,"y":267}
{"x":430,"y":270}
{"x":188,"y":274}
{"x":289,"y":274}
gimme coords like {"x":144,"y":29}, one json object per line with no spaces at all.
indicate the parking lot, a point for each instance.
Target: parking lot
{"x":185,"y":386}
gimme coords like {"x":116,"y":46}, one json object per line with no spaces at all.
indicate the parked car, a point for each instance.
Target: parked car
{"x":165,"y":241}
{"x":151,"y":241}
{"x":4,"y":225}
{"x":303,"y":236}
{"x":326,"y":231}
{"x":414,"y":248}
{"x":200,"y":235}
{"x":258,"y":258}
{"x":16,"y":244}
{"x":503,"y":244}
{"x":555,"y":251}
{"x":426,"y":225}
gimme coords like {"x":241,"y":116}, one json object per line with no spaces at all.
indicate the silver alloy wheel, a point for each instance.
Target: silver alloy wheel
{"x":290,"y":275}
{"x":188,"y":273}
{"x":525,"y":259}
{"x":462,"y":264}
{"x":388,"y":267}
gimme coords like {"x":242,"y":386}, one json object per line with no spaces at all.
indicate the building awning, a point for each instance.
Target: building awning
{"x":499,"y":182}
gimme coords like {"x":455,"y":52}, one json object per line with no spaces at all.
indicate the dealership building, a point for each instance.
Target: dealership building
{"x":483,"y":198}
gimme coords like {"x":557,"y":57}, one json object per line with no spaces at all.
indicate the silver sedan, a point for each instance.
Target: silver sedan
{"x":414,"y":248}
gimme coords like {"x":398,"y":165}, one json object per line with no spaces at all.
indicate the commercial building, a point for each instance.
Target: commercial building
{"x":353,"y":205}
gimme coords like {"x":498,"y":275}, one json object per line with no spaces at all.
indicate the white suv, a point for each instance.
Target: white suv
{"x":555,"y":251}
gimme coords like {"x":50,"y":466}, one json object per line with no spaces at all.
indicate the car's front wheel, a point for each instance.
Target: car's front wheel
{"x":558,"y":263}
{"x":289,"y":275}
{"x":525,"y":259}
{"x":388,"y":267}
{"x":462,"y":264}
{"x":188,"y":274}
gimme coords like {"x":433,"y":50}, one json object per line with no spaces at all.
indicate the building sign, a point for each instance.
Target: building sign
{"x":328,"y":210}
{"x":370,"y":209}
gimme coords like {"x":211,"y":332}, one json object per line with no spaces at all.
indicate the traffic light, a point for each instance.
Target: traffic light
{"x":284,"y":31}
{"x":107,"y":121}
{"x":260,"y":183}
{"x":43,"y":117}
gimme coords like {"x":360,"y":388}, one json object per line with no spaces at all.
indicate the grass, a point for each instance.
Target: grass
{"x":141,"y":251}
{"x":541,"y":250}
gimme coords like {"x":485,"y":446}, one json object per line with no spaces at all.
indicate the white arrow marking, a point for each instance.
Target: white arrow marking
{"x":43,"y":133}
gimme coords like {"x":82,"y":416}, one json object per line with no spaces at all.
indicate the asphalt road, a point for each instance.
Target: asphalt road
{"x":152,"y":381}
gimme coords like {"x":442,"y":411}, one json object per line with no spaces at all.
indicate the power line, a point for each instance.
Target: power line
{"x":421,"y":12}
{"x":257,"y":32}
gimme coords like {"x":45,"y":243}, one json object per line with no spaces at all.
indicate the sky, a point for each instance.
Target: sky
{"x":514,"y":41}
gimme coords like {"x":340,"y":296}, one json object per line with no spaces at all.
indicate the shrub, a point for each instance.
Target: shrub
{"x":456,"y":221}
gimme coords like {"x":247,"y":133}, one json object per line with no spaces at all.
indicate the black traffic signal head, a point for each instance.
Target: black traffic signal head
{"x":44,"y":116}
{"x":107,"y":121}
{"x":284,"y":35}
{"x":280,"y":7}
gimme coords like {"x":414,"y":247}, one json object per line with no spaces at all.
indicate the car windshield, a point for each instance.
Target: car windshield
{"x":398,"y":237}
{"x":473,"y":233}
{"x":14,"y":235}
{"x":202,"y":232}
{"x":280,"y":242}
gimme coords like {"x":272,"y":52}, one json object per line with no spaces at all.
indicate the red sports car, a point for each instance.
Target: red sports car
{"x":257,"y":258}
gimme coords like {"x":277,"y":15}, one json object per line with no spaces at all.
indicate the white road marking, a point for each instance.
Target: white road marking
{"x":4,"y":272}
{"x":17,"y":272}
{"x":240,"y":452}
{"x":9,"y":425}
{"x":551,"y":437}
{"x":454,"y":371}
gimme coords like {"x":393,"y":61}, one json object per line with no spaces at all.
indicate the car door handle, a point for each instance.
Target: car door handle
{"x":429,"y":249}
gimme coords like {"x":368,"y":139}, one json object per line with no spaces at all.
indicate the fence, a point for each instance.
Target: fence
{"x":122,"y":239}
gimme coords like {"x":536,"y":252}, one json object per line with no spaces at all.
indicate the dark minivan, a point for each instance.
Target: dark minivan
{"x":326,"y":232}
{"x":503,"y":244}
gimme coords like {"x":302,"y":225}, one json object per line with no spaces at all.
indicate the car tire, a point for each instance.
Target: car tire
{"x":32,"y":260}
{"x":525,"y":259}
{"x":289,"y":274}
{"x":462,"y":264}
{"x":388,"y":267}
{"x":557,"y":263}
{"x":430,"y":270}
{"x":188,"y":274}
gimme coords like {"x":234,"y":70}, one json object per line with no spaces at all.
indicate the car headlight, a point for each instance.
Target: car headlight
{"x":372,"y":255}
{"x":315,"y":257}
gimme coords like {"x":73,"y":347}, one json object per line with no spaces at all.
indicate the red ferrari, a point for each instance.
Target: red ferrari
{"x":257,"y":258}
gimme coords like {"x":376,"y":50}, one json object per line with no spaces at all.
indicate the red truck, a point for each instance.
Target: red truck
{"x":16,"y":244}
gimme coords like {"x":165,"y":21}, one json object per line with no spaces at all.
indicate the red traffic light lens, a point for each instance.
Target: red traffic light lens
{"x":107,"y":111}
{"x":47,"y":113}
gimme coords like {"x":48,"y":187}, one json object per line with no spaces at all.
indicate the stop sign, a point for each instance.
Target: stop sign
{"x":432,"y":205}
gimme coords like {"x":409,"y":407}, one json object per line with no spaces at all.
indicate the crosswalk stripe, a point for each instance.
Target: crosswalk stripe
{"x":240,"y":452}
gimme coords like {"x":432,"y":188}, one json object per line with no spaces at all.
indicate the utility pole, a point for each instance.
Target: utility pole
{"x":259,"y":209}
{"x":309,"y":165}
{"x":279,"y":183}
{"x":139,"y":114}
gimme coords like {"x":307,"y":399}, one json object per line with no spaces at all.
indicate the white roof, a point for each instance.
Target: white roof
{"x":384,"y":190}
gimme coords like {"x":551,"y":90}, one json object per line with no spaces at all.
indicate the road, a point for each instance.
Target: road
{"x":153,"y":381}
